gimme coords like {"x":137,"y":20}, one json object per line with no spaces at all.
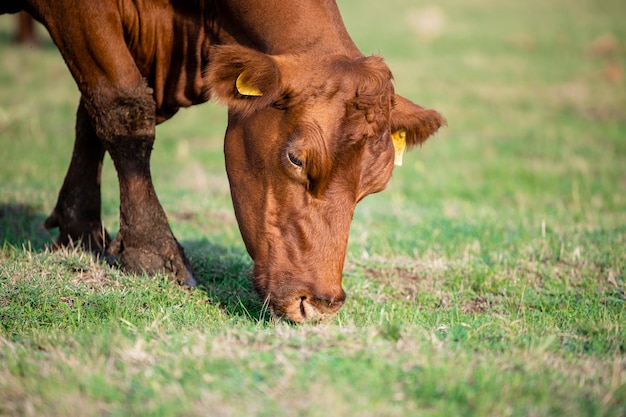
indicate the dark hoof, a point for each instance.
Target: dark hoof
{"x":92,"y":237}
{"x":167,"y":257}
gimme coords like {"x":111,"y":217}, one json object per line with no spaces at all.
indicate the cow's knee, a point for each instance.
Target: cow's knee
{"x":122,"y":113}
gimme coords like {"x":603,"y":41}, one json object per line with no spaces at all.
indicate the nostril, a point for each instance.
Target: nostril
{"x":302,"y":309}
{"x":339,"y":299}
{"x":336,"y":303}
{"x":332,"y":301}
{"x":306,"y":306}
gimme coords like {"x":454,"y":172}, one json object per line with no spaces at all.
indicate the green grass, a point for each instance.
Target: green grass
{"x":487,"y":280}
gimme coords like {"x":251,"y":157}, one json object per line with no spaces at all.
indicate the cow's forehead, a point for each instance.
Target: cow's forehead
{"x":335,"y":77}
{"x":352,"y":98}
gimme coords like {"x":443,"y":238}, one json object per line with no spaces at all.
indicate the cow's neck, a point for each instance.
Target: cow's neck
{"x":283,"y":26}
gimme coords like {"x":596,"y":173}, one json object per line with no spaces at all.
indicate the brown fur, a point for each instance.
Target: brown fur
{"x":299,"y":157}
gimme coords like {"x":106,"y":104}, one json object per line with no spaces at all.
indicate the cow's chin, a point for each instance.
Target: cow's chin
{"x":302,"y":309}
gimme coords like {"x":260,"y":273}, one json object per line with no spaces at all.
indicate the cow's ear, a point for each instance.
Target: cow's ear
{"x":412,"y":124}
{"x":244,"y":79}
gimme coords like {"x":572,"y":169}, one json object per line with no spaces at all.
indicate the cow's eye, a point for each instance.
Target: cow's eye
{"x":295,"y":161}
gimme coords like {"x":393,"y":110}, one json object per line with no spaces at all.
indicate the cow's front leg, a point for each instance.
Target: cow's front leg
{"x":77,"y":212}
{"x":93,"y":41}
{"x":145,"y":241}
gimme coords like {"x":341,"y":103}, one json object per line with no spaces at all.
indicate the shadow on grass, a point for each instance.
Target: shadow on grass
{"x":21,"y":225}
{"x":223,"y":273}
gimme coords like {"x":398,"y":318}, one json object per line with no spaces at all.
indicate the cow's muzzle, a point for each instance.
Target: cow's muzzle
{"x":307,"y":307}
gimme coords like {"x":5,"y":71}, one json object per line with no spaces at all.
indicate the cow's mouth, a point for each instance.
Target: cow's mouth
{"x":307,"y":309}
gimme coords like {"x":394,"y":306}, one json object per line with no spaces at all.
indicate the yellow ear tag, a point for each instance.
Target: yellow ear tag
{"x":399,"y":143}
{"x":246,"y":89}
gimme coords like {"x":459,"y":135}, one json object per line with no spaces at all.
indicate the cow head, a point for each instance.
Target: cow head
{"x":308,"y":137}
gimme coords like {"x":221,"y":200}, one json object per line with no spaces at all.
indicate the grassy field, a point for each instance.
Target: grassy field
{"x":489,"y":279}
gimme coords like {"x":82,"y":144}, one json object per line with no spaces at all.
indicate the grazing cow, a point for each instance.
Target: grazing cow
{"x":312,"y":125}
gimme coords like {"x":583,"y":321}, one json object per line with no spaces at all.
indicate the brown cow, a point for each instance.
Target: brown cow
{"x":310,"y":128}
